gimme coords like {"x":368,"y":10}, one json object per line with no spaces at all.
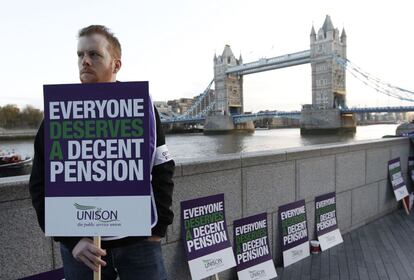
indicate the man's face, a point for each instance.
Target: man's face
{"x":96,"y":63}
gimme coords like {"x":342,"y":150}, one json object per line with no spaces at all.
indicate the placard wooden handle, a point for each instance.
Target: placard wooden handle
{"x":405,"y":205}
{"x":97,"y":242}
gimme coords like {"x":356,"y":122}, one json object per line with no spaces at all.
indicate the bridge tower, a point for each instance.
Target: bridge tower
{"x":228,"y":96}
{"x":328,"y":83}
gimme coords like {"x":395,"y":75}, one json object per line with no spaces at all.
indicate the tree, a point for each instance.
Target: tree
{"x":31,"y":117}
{"x":11,"y":117}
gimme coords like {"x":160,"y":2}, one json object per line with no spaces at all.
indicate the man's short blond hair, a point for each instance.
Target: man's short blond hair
{"x":103,"y":30}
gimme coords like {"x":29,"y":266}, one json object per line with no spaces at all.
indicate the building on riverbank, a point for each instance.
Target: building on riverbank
{"x":17,"y":134}
{"x":280,"y":122}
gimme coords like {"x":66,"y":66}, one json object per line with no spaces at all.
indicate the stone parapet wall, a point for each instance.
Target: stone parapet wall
{"x":321,"y":119}
{"x":251,"y":182}
{"x":218,"y":123}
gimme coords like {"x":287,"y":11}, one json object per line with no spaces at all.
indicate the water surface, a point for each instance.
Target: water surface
{"x":187,"y":146}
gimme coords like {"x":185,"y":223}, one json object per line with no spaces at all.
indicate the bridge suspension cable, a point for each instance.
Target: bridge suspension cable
{"x":190,"y":115}
{"x":374,"y":82}
{"x":197,"y":103}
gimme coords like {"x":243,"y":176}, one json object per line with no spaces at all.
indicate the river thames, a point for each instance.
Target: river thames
{"x":197,"y":145}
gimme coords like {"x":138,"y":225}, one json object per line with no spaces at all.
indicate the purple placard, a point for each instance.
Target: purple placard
{"x":395,"y":171}
{"x":251,"y":242}
{"x":110,"y":131}
{"x":56,"y":274}
{"x":203,"y":226}
{"x":325,"y":212}
{"x":292,"y":217}
{"x":394,"y":160}
{"x":410,"y":162}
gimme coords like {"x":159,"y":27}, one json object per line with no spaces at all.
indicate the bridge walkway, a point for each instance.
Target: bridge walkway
{"x":383,"y":249}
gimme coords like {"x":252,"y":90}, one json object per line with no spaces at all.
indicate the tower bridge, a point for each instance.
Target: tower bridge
{"x":328,"y":84}
{"x":223,"y":111}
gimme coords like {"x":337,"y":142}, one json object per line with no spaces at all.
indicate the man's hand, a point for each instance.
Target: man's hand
{"x":155,"y":238}
{"x":85,"y":251}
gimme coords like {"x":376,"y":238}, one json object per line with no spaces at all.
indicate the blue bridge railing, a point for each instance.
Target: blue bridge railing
{"x":396,"y":109}
{"x":285,"y":114}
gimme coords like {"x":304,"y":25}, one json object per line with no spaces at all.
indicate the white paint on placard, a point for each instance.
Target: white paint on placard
{"x":397,"y":181}
{"x":212,"y":263}
{"x":98,"y":216}
{"x":262,"y":271}
{"x":330,"y":239}
{"x":396,"y":176}
{"x":400,"y":193}
{"x":296,"y":254}
{"x":394,"y":165}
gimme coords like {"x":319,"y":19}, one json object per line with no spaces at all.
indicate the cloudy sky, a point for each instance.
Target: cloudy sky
{"x":172,"y":43}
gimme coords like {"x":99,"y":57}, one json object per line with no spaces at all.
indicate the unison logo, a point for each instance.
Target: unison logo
{"x":297,"y":253}
{"x":257,"y":274}
{"x":212,"y":263}
{"x":93,"y":213}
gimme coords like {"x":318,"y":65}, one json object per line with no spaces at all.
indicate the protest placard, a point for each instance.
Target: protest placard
{"x":204,"y":234}
{"x":326,"y":223}
{"x":99,"y":143}
{"x":294,"y":232}
{"x":411,"y":168}
{"x":397,"y":181}
{"x":251,"y":248}
{"x":409,"y":201}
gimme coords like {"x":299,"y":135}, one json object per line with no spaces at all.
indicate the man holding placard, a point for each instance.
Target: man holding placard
{"x":116,"y":142}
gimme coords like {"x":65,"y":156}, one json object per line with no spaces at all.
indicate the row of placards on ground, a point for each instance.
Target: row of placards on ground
{"x":209,"y":251}
{"x":208,"y":248}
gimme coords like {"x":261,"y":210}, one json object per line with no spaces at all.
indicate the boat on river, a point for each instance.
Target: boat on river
{"x":13,"y":164}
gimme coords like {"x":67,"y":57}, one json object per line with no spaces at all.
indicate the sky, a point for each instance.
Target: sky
{"x":171,"y":44}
